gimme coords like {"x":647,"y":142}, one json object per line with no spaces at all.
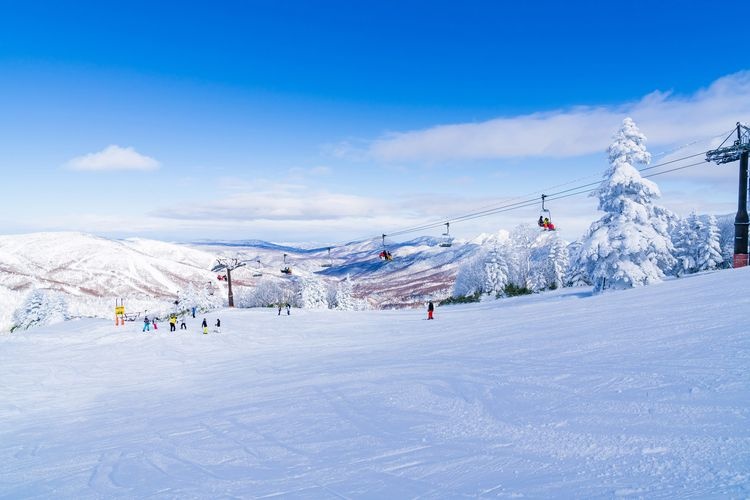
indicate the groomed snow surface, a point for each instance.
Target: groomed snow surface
{"x":639,"y":393}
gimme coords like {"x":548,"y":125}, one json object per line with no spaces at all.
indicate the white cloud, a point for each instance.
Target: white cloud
{"x":113,"y":157}
{"x":665,"y":118}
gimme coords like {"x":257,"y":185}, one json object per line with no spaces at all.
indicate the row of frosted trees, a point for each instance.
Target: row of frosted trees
{"x":308,"y":293}
{"x":636,"y":242}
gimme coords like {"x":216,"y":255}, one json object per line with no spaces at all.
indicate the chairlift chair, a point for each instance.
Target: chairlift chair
{"x":447,"y":240}
{"x":258,"y":270}
{"x":286,"y":269}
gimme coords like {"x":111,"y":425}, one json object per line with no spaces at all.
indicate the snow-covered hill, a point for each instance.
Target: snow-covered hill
{"x":81,"y":264}
{"x":93,"y":271}
{"x":643,"y":393}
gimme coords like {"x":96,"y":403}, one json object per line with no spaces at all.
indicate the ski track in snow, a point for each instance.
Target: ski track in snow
{"x":641,"y":393}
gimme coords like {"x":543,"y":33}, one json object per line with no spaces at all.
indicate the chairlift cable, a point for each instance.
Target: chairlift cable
{"x":554,"y":196}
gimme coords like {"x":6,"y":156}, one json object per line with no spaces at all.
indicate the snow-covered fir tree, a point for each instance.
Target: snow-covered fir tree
{"x":697,"y":245}
{"x":630,"y":245}
{"x":41,"y":307}
{"x":519,"y":255}
{"x":495,"y":272}
{"x":685,"y":241}
{"x":205,"y":297}
{"x":268,"y":292}
{"x":343,"y":297}
{"x":550,"y":263}
{"x":471,"y":276}
{"x":576,"y":274}
{"x":559,"y":260}
{"x":312,"y":294}
{"x":709,"y":247}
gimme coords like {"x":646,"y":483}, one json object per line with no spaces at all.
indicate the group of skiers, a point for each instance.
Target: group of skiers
{"x":148,"y":323}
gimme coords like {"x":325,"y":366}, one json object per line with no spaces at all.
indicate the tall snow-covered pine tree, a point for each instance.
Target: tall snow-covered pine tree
{"x":685,"y":240}
{"x":709,"y":246}
{"x":496,"y":272}
{"x":630,"y":245}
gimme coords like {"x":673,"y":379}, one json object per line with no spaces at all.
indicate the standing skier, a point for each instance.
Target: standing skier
{"x":146,"y":324}
{"x":205,"y":327}
{"x":218,"y":325}
{"x":172,"y":323}
{"x":183,"y":326}
{"x":430,"y":309}
{"x":288,"y":309}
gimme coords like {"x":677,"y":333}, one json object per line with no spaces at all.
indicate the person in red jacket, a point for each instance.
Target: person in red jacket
{"x":430,"y":309}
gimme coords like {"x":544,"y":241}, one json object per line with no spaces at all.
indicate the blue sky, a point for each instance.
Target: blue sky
{"x":327,"y":121}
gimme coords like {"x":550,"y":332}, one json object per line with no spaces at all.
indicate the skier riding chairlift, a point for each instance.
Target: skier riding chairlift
{"x":385,"y":254}
{"x":545,"y":218}
{"x":286,"y":269}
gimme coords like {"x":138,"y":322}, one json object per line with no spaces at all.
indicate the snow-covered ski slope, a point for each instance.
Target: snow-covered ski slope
{"x":640,"y":393}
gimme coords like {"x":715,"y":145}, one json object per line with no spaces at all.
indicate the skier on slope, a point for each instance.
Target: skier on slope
{"x":430,"y":309}
{"x":218,"y":325}
{"x":146,"y":324}
{"x":205,"y":326}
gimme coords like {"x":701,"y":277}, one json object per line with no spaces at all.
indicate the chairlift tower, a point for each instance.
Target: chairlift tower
{"x":737,"y":151}
{"x":229,"y":265}
{"x":330,"y":260}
